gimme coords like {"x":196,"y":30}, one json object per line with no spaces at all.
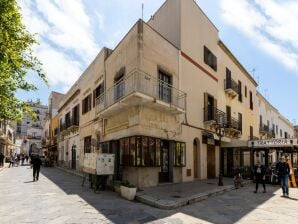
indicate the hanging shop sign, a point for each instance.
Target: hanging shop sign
{"x":272,"y":143}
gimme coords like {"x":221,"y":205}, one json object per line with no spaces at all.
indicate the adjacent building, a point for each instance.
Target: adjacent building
{"x":171,"y":102}
{"x":29,"y":131}
{"x":7,"y":138}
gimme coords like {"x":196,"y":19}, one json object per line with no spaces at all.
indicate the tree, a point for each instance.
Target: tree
{"x":16,"y":61}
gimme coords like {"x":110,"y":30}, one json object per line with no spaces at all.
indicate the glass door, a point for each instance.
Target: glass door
{"x":164,"y":162}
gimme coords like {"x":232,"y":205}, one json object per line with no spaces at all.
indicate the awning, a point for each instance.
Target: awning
{"x":273,"y":143}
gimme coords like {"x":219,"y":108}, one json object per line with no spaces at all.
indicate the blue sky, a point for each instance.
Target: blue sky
{"x":262,"y":34}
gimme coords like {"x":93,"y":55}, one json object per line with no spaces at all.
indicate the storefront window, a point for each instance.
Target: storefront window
{"x":179,"y":154}
{"x":145,"y":152}
{"x":132,"y":158}
{"x":157,"y":152}
{"x":124,"y":151}
{"x":139,"y":151}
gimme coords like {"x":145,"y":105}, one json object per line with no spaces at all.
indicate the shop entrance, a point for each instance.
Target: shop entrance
{"x":210,"y":161}
{"x":164,"y":174}
{"x":73,"y":157}
{"x":196,"y":153}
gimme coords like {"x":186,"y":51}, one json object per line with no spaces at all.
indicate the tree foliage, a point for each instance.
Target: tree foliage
{"x":16,"y":61}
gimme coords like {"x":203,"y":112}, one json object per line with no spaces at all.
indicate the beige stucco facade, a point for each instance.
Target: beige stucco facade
{"x":161,"y":92}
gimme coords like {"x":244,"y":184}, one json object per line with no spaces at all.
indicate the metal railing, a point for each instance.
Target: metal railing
{"x":220,"y":117}
{"x":231,"y":84}
{"x":141,"y":82}
{"x":264,"y":128}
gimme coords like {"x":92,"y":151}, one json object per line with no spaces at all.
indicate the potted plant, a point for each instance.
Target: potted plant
{"x":128,"y":191}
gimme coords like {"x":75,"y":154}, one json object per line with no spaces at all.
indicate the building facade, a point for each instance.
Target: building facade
{"x":7,"y":138}
{"x":29,"y":131}
{"x":170,"y":101}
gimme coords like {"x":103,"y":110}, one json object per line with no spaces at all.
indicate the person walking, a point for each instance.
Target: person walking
{"x":284,"y":171}
{"x":259,"y":175}
{"x":1,"y":159}
{"x":36,"y":162}
{"x":27,"y":157}
{"x":23,"y":159}
{"x":11,"y":163}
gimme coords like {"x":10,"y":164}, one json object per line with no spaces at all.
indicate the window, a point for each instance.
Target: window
{"x":140,"y":151}
{"x":210,"y":107}
{"x":86,"y":104}
{"x":67,"y":120}
{"x":210,"y":59}
{"x":276,"y":129}
{"x":240,"y":121}
{"x":239,"y":91}
{"x":124,"y":151}
{"x":87,"y":144}
{"x":251,"y":105}
{"x":76,"y":115}
{"x":179,"y":154}
{"x":286,"y":134}
{"x":251,"y":132}
{"x":245,"y":91}
{"x":97,"y":93}
{"x":119,"y":86}
{"x":280,"y":133}
{"x":165,"y":88}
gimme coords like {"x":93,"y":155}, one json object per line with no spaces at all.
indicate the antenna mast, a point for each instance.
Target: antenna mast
{"x":142,"y":11}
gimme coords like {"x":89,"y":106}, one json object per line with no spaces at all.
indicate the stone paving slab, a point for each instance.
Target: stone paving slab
{"x":181,"y":194}
{"x":58,"y":197}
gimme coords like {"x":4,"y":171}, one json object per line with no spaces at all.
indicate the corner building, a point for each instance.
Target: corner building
{"x":163,"y":101}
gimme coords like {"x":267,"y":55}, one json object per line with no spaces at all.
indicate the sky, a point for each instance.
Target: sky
{"x":262,"y":34}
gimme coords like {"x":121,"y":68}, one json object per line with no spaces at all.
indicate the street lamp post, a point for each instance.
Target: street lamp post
{"x":220,"y":131}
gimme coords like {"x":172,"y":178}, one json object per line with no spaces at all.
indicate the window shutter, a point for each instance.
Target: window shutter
{"x":215,"y":110}
{"x":205,"y":106}
{"x":94,"y":97}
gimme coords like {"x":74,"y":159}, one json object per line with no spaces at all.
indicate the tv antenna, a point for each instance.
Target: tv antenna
{"x":142,"y":10}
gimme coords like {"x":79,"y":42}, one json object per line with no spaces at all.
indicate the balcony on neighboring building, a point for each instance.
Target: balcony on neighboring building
{"x":35,"y":137}
{"x":231,"y":88}
{"x":264,"y":129}
{"x":214,"y":117}
{"x":71,"y":124}
{"x":139,"y":88}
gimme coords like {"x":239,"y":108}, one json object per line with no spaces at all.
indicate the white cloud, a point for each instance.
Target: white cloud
{"x":70,"y":27}
{"x":61,"y":70}
{"x":271,"y":24}
{"x":64,"y":30}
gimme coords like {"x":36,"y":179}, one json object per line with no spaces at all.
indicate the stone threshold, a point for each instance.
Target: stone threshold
{"x":173,"y":204}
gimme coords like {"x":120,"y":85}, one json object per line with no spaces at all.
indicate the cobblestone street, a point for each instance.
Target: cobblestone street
{"x":59,"y":198}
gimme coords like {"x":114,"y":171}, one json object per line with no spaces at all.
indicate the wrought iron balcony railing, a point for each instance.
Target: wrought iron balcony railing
{"x":141,"y":82}
{"x":231,"y":84}
{"x":220,"y":117}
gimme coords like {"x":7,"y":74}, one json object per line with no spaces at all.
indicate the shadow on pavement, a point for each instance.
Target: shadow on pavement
{"x":225,"y":208}
{"x":26,"y":182}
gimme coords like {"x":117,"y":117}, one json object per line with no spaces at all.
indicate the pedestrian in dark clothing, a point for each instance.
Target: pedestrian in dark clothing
{"x":284,"y":171}
{"x":259,"y":175}
{"x":36,"y":162}
{"x":23,"y":159}
{"x":1,"y":159}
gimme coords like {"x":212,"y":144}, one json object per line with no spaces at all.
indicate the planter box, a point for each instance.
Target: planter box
{"x":128,"y":193}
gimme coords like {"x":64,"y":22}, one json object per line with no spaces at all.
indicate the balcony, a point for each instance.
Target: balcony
{"x":264,"y":129}
{"x":231,"y":88}
{"x":139,"y":88}
{"x":36,"y":137}
{"x":71,"y":124}
{"x":214,"y":117}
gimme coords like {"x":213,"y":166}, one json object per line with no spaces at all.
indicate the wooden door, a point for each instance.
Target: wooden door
{"x":210,"y":161}
{"x":195,"y":159}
